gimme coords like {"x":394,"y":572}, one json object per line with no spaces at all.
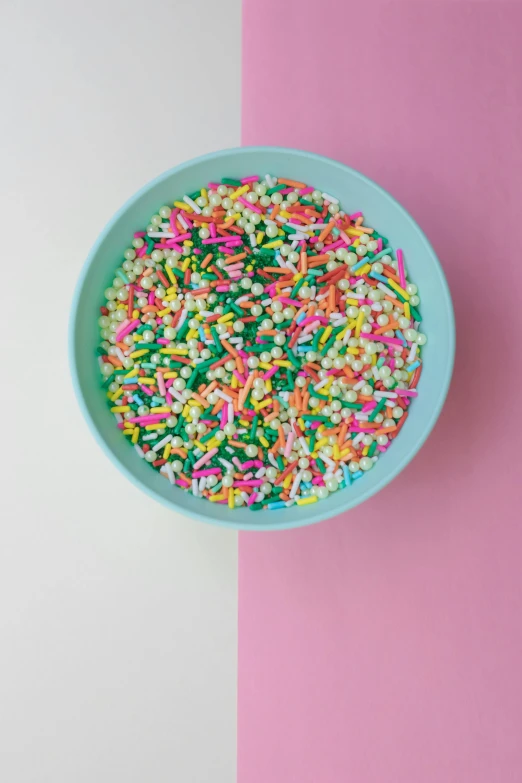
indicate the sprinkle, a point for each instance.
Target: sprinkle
{"x":231,"y":405}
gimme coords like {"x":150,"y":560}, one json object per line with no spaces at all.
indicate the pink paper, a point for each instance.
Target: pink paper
{"x":385,"y":646}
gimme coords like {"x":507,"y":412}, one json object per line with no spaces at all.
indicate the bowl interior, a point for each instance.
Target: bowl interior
{"x":356,"y":192}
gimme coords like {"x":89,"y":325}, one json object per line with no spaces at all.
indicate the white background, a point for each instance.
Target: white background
{"x":117,"y":617}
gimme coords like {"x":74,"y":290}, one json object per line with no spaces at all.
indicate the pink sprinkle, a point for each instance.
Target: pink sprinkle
{"x":146,"y":390}
{"x":182,"y":483}
{"x":356,"y":215}
{"x":379,"y":245}
{"x":369,"y":406}
{"x":312,"y":319}
{"x":285,"y":191}
{"x":168,"y":397}
{"x":207,"y":472}
{"x":181,"y":237}
{"x":204,"y":459}
{"x":152,"y":297}
{"x":196,"y":251}
{"x":400,"y":264}
{"x":213,"y":185}
{"x":141,"y":252}
{"x":382,"y":339}
{"x":138,"y":234}
{"x":228,"y":251}
{"x":246,"y":203}
{"x":212,"y":229}
{"x":161,"y":384}
{"x":151,"y":418}
{"x":224,"y":416}
{"x":222,"y":288}
{"x":187,"y":220}
{"x":407,"y":392}
{"x":246,"y":180}
{"x":172,"y":221}
{"x":251,"y":483}
{"x":252,"y":498}
{"x":289,"y":444}
{"x":304,"y":191}
{"x":268,"y":374}
{"x":291,"y":302}
{"x":333,"y":246}
{"x":174,"y":245}
{"x":127,"y":329}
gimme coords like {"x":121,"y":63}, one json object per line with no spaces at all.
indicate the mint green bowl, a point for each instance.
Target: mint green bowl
{"x":356,"y":192}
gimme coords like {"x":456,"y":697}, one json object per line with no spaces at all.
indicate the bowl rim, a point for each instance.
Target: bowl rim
{"x":313,"y":516}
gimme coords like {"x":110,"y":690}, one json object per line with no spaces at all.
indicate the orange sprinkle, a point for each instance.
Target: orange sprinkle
{"x":291,"y":183}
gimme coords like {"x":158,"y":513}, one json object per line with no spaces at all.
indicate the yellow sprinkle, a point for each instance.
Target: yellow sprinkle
{"x":326,"y":334}
{"x":336,"y":452}
{"x":185,"y":264}
{"x":211,"y":444}
{"x":307,"y":500}
{"x":263,"y":441}
{"x":353,"y":302}
{"x":224,"y":318}
{"x":203,"y":192}
{"x":285,"y":214}
{"x":282,"y":363}
{"x":215,"y":498}
{"x":128,"y":432}
{"x":355,"y":244}
{"x":249,"y":268}
{"x":359,"y":323}
{"x":397,"y":288}
{"x":259,"y":237}
{"x":364,"y":270}
{"x":185,"y":412}
{"x":231,"y":503}
{"x":141,"y":352}
{"x":366,"y":450}
{"x":135,"y":435}
{"x":265,"y":366}
{"x":174,"y":351}
{"x":172,"y":289}
{"x":353,"y":351}
{"x":374,"y":358}
{"x":163,"y":409}
{"x":345,"y":453}
{"x":191,"y":334}
{"x":277,"y":243}
{"x":288,"y":481}
{"x":116,"y":394}
{"x":166,"y":450}
{"x":188,"y":243}
{"x":234,"y":382}
{"x":407,"y":311}
{"x":238,"y":192}
{"x":170,"y":375}
{"x":148,"y":381}
{"x":320,"y":443}
{"x":128,"y":425}
{"x":157,"y":426}
{"x":263,"y":404}
{"x":132,"y":373}
{"x":161,"y":313}
{"x":201,"y":446}
{"x":171,"y":276}
{"x":354,"y":232}
{"x":183,"y":205}
{"x":135,"y":314}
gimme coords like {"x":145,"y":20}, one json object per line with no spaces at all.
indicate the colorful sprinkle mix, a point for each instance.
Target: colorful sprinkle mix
{"x":260,"y":346}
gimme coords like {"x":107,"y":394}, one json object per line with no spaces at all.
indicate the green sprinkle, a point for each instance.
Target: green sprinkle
{"x":234,"y":183}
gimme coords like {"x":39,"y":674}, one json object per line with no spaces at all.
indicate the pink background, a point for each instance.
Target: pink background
{"x":385,"y":645}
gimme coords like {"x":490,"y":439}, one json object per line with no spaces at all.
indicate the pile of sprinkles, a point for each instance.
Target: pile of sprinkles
{"x":259,"y":345}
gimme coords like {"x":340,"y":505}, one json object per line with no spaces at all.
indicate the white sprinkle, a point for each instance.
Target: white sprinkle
{"x":253,"y":240}
{"x":139,"y":450}
{"x":182,"y":221}
{"x":161,"y":235}
{"x":226,"y":463}
{"x":295,"y":485}
{"x":387,"y":290}
{"x":389,"y":395}
{"x":304,"y":444}
{"x":170,"y":472}
{"x":162,"y":443}
{"x":260,"y":473}
{"x":321,"y":383}
{"x":195,"y":488}
{"x":412,"y":353}
{"x":331,"y":199}
{"x":202,"y":484}
{"x":358,"y":438}
{"x":272,"y":459}
{"x":192,"y":204}
{"x":359,"y":385}
{"x":118,"y":417}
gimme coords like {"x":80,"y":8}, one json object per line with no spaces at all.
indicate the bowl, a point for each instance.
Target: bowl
{"x":356,"y":192}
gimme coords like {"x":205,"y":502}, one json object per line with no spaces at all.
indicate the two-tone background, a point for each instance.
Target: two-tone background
{"x":383,"y":646}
